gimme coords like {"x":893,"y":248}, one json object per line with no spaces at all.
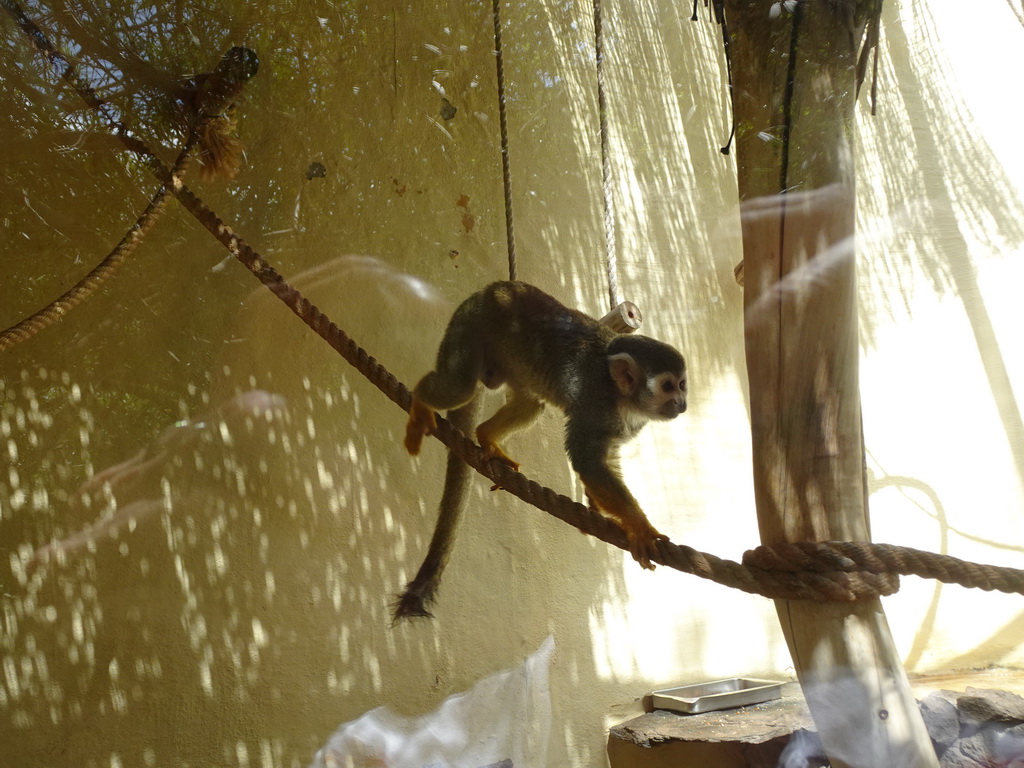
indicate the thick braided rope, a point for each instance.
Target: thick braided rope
{"x":841,"y":586}
{"x":838,"y":571}
{"x":859,"y":556}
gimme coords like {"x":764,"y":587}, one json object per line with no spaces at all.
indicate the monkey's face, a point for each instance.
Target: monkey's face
{"x":659,"y":396}
{"x":666,"y":395}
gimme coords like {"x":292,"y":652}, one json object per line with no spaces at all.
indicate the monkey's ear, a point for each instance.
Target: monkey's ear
{"x":625,"y":373}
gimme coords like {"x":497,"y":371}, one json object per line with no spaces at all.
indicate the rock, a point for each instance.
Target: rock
{"x":978,"y":706}
{"x":940,"y":719}
{"x":1008,"y":747}
{"x":993,"y":744}
{"x":969,"y":752}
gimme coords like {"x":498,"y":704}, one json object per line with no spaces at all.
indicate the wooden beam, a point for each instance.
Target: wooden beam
{"x":793,"y":95}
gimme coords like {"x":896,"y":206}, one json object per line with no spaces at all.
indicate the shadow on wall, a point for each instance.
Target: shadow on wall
{"x":234,"y":571}
{"x":239,"y":569}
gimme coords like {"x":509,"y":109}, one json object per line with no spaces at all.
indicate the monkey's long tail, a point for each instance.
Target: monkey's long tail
{"x":420,"y":592}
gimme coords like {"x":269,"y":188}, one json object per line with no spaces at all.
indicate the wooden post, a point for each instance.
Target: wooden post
{"x":793,"y":94}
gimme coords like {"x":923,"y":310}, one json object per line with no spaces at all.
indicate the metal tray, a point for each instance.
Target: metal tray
{"x":720,"y":694}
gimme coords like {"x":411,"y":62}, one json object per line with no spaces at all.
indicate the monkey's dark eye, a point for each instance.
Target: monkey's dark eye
{"x":668,"y":386}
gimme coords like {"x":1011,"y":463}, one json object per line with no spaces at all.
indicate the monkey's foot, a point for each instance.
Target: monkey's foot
{"x":422,"y":421}
{"x":493,"y":451}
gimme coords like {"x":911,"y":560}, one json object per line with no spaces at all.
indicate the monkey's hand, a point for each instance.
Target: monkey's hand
{"x":610,"y":496}
{"x":643,"y":543}
{"x":422,"y":421}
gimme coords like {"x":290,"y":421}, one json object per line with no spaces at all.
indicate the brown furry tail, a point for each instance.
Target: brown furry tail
{"x":419,"y":593}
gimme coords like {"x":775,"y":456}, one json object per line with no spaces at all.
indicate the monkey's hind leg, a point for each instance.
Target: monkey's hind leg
{"x":519,"y":411}
{"x":449,"y":387}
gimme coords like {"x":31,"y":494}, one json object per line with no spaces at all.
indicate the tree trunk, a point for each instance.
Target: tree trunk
{"x":794,"y":98}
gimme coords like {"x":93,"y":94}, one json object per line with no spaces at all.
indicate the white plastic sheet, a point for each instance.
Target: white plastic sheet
{"x":501,"y":722}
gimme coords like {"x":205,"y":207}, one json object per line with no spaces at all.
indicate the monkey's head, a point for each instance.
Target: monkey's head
{"x":650,"y":376}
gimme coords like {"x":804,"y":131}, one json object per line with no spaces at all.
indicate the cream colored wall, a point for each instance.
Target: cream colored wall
{"x":236,"y":610}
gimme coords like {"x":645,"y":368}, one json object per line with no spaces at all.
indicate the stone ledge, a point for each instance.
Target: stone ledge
{"x":973,"y":727}
{"x":747,"y":737}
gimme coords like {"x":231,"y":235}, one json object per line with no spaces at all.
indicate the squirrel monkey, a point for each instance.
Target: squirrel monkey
{"x":608,"y":385}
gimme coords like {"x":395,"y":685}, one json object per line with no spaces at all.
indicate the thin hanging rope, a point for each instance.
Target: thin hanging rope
{"x":718,"y":9}
{"x":506,"y":170}
{"x":869,"y":47}
{"x":611,"y":262}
